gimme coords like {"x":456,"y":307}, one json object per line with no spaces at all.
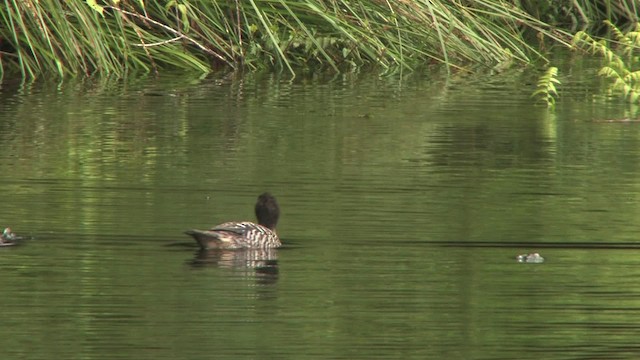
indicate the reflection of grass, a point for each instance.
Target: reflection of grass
{"x":621,"y":65}
{"x":546,"y":88}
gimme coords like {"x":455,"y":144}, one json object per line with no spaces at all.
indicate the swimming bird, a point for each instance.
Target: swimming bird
{"x":8,"y":237}
{"x":244,"y":235}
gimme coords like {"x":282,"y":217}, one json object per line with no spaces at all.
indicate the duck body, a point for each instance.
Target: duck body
{"x":236,"y":235}
{"x":245,"y":234}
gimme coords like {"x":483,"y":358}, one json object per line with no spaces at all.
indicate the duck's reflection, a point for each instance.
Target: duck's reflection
{"x":259,"y":263}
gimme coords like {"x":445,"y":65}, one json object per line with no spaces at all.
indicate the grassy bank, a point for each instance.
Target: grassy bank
{"x":115,"y":38}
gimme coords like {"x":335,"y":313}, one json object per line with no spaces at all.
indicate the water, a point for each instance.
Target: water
{"x":404,"y":204}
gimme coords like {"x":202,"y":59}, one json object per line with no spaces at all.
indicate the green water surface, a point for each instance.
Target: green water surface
{"x":404,"y":203}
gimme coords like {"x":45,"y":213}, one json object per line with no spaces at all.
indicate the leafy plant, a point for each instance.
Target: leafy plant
{"x":622,"y":64}
{"x":546,"y":88}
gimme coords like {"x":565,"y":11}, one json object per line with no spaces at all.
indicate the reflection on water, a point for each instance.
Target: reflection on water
{"x":404,"y":203}
{"x":261,"y":264}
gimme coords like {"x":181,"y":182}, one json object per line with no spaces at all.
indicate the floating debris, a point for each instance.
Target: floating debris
{"x":530,"y":258}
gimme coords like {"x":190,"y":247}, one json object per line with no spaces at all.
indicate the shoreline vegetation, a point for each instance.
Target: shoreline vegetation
{"x":115,"y":38}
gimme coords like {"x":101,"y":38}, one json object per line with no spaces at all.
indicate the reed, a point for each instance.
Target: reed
{"x":118,"y":37}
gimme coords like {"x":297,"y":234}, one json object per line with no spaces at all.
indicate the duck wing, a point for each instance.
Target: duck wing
{"x":248,"y":234}
{"x":240,"y":228}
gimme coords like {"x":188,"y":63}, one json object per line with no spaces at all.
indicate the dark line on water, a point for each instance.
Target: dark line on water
{"x":543,"y":245}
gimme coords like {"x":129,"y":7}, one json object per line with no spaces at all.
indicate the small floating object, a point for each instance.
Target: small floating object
{"x":530,"y":258}
{"x":8,"y":237}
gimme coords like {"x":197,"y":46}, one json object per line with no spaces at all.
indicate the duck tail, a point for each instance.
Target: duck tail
{"x":204,"y":238}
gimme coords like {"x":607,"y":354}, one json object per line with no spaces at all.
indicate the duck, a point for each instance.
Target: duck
{"x":8,"y":237}
{"x":245,"y":234}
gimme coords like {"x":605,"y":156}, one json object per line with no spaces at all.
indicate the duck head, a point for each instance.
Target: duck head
{"x":267,"y":211}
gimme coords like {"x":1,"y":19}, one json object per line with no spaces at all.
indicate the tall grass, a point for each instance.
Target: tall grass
{"x":581,"y":13}
{"x":116,"y":37}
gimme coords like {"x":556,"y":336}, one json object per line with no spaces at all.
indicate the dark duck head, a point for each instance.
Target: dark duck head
{"x":267,"y":211}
